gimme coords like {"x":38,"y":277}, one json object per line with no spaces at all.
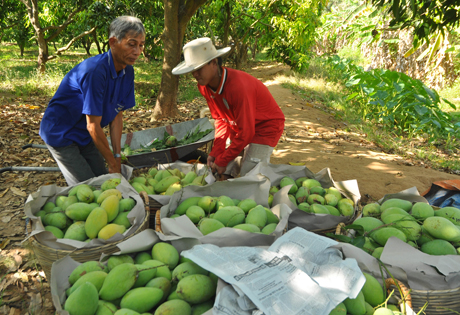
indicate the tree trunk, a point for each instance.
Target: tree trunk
{"x":21,"y":47}
{"x":97,"y":42}
{"x":87,"y":44}
{"x":167,"y":96}
{"x":42,"y":51}
{"x":177,"y":14}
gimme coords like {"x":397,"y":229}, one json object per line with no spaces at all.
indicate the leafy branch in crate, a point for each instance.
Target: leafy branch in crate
{"x":168,"y":141}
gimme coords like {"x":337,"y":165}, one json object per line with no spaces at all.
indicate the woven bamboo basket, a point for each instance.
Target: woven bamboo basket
{"x":158,"y":222}
{"x":154,"y":208}
{"x":47,"y":255}
{"x":440,"y":302}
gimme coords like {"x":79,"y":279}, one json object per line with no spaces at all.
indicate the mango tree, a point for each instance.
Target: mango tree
{"x":49,"y":19}
{"x":177,"y":13}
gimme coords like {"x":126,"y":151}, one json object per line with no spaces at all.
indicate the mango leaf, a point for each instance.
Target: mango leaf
{"x":391,"y":40}
{"x":356,"y":227}
{"x":341,"y":238}
{"x":352,"y":82}
{"x":359,"y":241}
{"x":352,"y":96}
{"x":421,"y":110}
{"x":434,"y":49}
{"x":452,"y":105}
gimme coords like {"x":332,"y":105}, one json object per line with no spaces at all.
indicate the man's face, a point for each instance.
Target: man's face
{"x":126,"y":51}
{"x":205,"y":74}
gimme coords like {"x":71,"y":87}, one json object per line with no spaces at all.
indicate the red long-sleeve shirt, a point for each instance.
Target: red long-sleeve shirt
{"x":244,"y":111}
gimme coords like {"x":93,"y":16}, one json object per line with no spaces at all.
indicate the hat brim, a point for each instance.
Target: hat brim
{"x":183,"y":68}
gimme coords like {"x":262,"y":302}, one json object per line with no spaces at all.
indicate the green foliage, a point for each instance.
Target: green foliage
{"x":160,"y":144}
{"x":396,"y":101}
{"x":425,"y":16}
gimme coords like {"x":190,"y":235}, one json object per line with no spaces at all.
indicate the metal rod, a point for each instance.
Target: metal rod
{"x":29,"y":169}
{"x":32,"y":145}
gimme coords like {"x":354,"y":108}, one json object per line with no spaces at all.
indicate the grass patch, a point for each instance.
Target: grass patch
{"x":319,"y":86}
{"x":19,"y":76}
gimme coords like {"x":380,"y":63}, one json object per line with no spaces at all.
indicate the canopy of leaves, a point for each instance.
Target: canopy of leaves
{"x":425,"y":16}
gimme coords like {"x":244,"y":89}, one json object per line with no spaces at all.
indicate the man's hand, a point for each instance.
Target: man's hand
{"x":210,"y":161}
{"x":117,"y":169}
{"x":93,"y":124}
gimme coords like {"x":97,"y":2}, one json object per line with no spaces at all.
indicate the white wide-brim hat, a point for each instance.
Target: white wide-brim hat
{"x":197,"y":53}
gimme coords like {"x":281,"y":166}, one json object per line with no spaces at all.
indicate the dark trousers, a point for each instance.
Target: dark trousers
{"x":79,"y":163}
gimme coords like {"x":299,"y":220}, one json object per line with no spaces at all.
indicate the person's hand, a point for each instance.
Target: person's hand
{"x":219,"y":169}
{"x":116,"y":168}
{"x":210,"y":161}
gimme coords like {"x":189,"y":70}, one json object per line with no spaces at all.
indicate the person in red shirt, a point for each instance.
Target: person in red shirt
{"x":243,"y":109}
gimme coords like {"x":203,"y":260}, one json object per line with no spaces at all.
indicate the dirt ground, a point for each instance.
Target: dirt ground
{"x":312,"y":136}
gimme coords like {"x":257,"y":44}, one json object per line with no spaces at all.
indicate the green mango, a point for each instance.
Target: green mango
{"x":395,"y":202}
{"x":105,"y":308}
{"x":76,"y":231}
{"x":246,"y":204}
{"x":339,"y":310}
{"x":196,"y":288}
{"x":368,"y":223}
{"x":184,"y":205}
{"x":57,"y":232}
{"x":247,"y":227}
{"x":371,"y":210}
{"x":230,"y":215}
{"x":174,"y":307}
{"x":141,"y":299}
{"x":186,"y":269}
{"x":202,"y":308}
{"x":165,"y":253}
{"x":48,"y":206}
{"x":257,"y":216}
{"x":146,"y":273}
{"x":269,"y":228}
{"x":195,"y":214}
{"x":119,"y":281}
{"x":161,"y":283}
{"x":126,"y":204}
{"x":209,"y":225}
{"x":438,"y":247}
{"x":142,"y":256}
{"x":116,"y":260}
{"x":356,"y":306}
{"x":56,"y":219}
{"x":442,"y":228}
{"x":382,"y":235}
{"x":95,"y":277}
{"x":450,"y":213}
{"x":162,"y":268}
{"x":422,"y":210}
{"x":85,"y":268}
{"x":373,"y":290}
{"x":87,"y":292}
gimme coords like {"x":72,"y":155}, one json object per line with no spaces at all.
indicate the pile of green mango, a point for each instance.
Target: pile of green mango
{"x":87,"y":213}
{"x":213,"y":213}
{"x":159,"y":281}
{"x":434,"y":232}
{"x":308,"y":195}
{"x":166,"y":182}
{"x":369,"y":301}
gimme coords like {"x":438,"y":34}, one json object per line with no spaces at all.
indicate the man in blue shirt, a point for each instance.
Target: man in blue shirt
{"x":92,"y":95}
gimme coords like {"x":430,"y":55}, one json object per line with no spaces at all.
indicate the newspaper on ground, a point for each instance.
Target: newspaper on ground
{"x":300,"y":273}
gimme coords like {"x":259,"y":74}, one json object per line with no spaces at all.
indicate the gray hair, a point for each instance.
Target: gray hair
{"x":125,"y":24}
